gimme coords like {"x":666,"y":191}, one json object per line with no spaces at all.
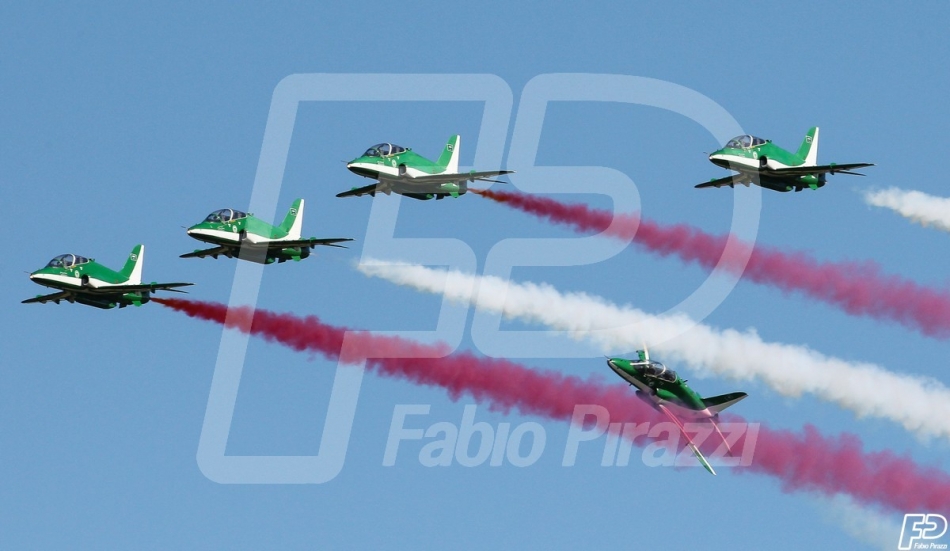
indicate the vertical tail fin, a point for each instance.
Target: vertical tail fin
{"x":809,"y":149}
{"x":293,"y":222}
{"x":132,"y":270}
{"x":450,"y":155}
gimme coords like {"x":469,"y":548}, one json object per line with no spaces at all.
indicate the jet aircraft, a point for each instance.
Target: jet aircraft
{"x":666,"y":392}
{"x":233,"y":231}
{"x":760,"y":162}
{"x":399,"y":170}
{"x":85,"y":281}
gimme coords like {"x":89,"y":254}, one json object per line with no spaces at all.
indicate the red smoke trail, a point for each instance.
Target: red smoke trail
{"x":859,"y":288}
{"x":802,"y":461}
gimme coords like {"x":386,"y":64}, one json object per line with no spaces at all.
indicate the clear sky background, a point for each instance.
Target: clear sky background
{"x":123,"y":124}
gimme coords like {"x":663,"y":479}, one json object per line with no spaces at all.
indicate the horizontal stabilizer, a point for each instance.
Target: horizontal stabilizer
{"x":311,"y":242}
{"x":816,"y":169}
{"x":721,"y":402}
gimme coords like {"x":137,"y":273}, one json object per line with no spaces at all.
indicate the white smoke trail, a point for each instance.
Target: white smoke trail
{"x":862,"y":523}
{"x":924,"y":209}
{"x":921,"y":405}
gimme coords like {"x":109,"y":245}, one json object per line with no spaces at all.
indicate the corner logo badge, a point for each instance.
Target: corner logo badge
{"x":919,"y":526}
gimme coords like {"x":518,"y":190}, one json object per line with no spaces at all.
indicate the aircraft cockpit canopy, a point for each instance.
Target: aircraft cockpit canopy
{"x":659,"y":371}
{"x":384,"y":150}
{"x":67,"y":261}
{"x":744,"y":142}
{"x":225,"y":215}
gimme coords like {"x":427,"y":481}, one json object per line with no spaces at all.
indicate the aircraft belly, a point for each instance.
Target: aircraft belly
{"x":688,"y":413}
{"x":445,"y":188}
{"x":777,"y":184}
{"x":103,"y":304}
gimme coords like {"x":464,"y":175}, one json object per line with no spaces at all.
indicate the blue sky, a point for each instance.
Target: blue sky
{"x":124,"y":124}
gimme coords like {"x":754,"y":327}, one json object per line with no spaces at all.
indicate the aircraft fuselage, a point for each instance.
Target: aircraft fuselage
{"x":673,"y":393}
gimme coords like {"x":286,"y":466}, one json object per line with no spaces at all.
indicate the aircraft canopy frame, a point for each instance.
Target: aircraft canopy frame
{"x":67,"y":261}
{"x":659,"y":371}
{"x":225,"y":215}
{"x":745,"y":141}
{"x":385,"y":150}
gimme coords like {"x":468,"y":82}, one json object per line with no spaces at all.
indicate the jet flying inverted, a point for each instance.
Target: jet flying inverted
{"x":399,"y":170}
{"x":760,"y":162}
{"x":665,"y":391}
{"x":85,"y":281}
{"x":235,"y":232}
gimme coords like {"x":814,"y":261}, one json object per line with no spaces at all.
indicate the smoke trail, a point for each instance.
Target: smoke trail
{"x":924,"y":209}
{"x":920,"y":405}
{"x":862,"y":523}
{"x":858,"y":288}
{"x":805,"y":461}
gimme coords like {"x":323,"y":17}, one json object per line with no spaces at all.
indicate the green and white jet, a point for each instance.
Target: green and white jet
{"x":760,"y":162}
{"x":663,"y":389}
{"x":85,"y":281}
{"x":399,"y":170}
{"x":240,"y":234}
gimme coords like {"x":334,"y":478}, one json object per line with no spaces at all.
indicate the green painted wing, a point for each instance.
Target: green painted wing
{"x":43,"y":299}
